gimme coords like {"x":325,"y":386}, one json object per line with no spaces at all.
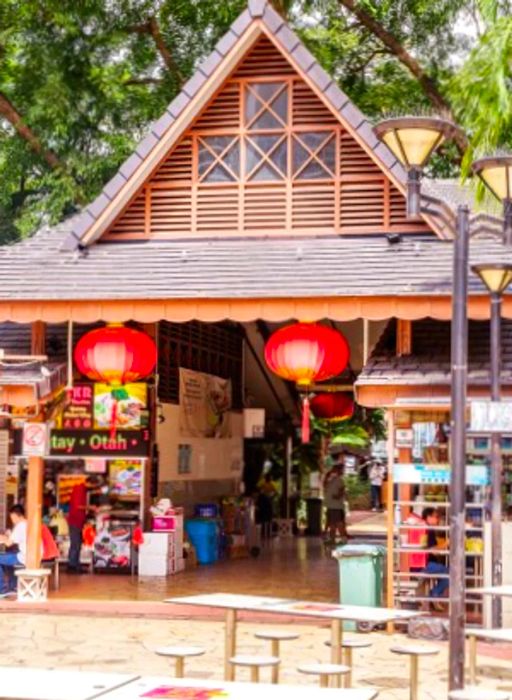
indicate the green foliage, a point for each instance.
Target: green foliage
{"x":87,"y":78}
{"x":481,"y":91}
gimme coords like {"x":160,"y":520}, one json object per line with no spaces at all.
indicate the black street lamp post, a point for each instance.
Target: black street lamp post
{"x":496,"y":277}
{"x":413,"y":140}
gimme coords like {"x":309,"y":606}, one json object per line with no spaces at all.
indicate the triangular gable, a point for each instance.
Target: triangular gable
{"x":258,"y":29}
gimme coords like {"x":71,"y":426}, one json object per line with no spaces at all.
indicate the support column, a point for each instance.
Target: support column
{"x":459,"y":359}
{"x":38,"y":338}
{"x":390,"y":602}
{"x":34,"y":511}
{"x":150,"y":329}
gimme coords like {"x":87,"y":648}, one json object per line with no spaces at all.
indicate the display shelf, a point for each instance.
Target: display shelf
{"x":433,"y":599}
{"x":414,"y":549}
{"x":440,"y":528}
{"x":420,"y":574}
{"x":440,"y":504}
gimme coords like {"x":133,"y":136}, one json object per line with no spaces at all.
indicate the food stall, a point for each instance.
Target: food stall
{"x":84,"y":444}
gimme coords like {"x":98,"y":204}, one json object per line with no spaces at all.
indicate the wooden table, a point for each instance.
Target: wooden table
{"x":21,"y":683}
{"x":233,"y":603}
{"x":503,"y":591}
{"x":165,"y":687}
{"x":497,"y":635}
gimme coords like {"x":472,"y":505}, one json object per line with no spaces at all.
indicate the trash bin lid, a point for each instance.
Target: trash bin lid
{"x":359,"y":550}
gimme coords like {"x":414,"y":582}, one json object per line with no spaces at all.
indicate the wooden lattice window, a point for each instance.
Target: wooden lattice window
{"x":219,"y":158}
{"x":314,"y":155}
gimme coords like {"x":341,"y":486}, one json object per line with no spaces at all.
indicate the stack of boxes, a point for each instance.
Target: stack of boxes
{"x":161,"y":553}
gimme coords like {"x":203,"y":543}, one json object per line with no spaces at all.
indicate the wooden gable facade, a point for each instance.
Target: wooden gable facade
{"x":266,"y":156}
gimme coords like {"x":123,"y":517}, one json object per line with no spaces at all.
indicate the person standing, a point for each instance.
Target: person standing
{"x":376,"y":476}
{"x":334,"y":500}
{"x":267,"y":493}
{"x":77,"y":516}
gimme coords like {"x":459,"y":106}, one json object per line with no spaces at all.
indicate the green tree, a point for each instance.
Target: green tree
{"x":81,"y":81}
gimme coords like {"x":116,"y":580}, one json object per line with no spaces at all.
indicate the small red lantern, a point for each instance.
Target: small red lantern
{"x":115,"y":355}
{"x":304,"y":353}
{"x":334,"y":406}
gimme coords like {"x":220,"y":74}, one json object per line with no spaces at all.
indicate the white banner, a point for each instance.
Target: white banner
{"x":205,"y":405}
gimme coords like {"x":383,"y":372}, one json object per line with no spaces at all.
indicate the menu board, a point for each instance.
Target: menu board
{"x":78,"y":414}
{"x":130,"y":406}
{"x":125,"y":476}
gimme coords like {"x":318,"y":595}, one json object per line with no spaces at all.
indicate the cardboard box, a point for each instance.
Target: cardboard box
{"x":153,"y":565}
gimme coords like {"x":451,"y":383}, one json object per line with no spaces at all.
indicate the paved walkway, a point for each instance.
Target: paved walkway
{"x":124,"y":645}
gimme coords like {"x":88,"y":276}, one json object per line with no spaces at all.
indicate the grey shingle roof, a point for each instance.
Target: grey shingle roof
{"x":39,"y":269}
{"x":429,"y":363}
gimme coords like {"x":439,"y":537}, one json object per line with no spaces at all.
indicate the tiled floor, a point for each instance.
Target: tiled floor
{"x":295,"y":567}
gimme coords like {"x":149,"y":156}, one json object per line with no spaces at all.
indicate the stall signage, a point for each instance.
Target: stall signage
{"x":491,"y":416}
{"x":476,"y":475}
{"x":404,"y":437}
{"x":78,"y":414}
{"x":34,"y":440}
{"x":99,"y":443}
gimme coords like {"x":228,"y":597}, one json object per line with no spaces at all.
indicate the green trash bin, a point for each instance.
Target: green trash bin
{"x":361,"y":575}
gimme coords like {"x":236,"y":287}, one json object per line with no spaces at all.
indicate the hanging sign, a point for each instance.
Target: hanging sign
{"x":205,"y":404}
{"x":35,"y":440}
{"x":491,"y":416}
{"x":404,"y":437}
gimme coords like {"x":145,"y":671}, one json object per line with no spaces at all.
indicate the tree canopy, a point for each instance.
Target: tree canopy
{"x":80,"y":82}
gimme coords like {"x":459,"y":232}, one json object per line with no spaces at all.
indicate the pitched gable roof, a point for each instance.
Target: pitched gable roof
{"x":259,"y":19}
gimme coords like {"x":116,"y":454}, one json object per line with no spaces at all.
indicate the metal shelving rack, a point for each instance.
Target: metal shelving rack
{"x":408,"y":584}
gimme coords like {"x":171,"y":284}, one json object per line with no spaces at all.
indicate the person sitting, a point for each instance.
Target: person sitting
{"x":15,"y":542}
{"x":435,"y":563}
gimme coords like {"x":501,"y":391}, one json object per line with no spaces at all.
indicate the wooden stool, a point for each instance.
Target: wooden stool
{"x":254,"y":663}
{"x":32,"y":585}
{"x":324,"y":671}
{"x":414,"y":652}
{"x":179,"y":654}
{"x":275,"y":637}
{"x":348,"y":645}
{"x":478,"y":693}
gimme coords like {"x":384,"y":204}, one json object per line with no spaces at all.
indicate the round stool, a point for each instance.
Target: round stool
{"x":414,"y":652}
{"x":254,"y":663}
{"x":478,"y":693}
{"x":348,"y":645}
{"x":275,"y":637}
{"x":179,"y":654}
{"x":324,"y":671}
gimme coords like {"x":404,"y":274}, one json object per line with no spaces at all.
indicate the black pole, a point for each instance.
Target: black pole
{"x":496,"y":466}
{"x":459,"y":352}
{"x":413,"y":193}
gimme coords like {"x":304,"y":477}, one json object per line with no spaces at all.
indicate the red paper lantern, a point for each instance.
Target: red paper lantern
{"x":334,"y":406}
{"x":304,"y":353}
{"x":115,"y":355}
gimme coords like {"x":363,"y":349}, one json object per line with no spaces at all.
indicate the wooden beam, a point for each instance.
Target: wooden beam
{"x":38,"y":338}
{"x":34,"y":511}
{"x":403,"y":337}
